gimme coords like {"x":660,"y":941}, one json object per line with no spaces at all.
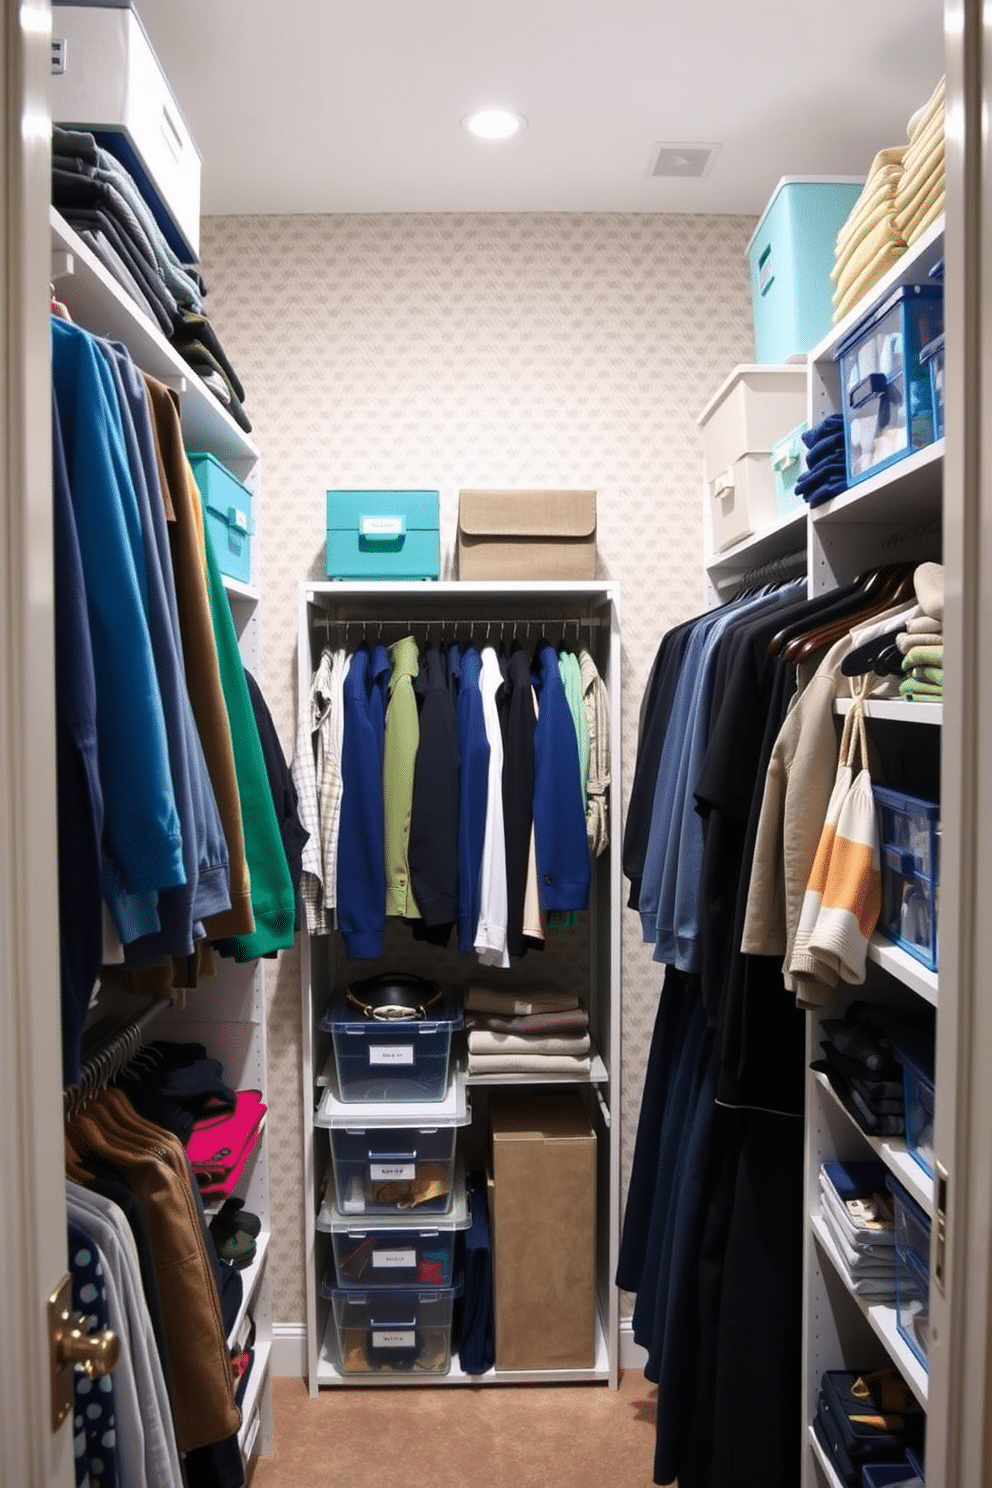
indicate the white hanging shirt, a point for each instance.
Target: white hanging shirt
{"x":490,"y":933}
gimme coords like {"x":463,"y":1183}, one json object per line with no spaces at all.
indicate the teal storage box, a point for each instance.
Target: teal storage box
{"x":227,"y":514}
{"x":383,"y":535}
{"x":788,"y":464}
{"x":791,"y":256}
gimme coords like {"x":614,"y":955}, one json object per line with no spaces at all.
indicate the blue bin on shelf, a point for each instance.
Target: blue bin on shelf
{"x":909,"y":853}
{"x":885,"y":391}
{"x":227,"y":514}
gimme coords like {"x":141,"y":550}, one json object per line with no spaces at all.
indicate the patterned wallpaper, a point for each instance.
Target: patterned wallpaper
{"x":475,"y":350}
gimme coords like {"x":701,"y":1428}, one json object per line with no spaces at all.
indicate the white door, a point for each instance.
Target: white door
{"x":32,"y":1214}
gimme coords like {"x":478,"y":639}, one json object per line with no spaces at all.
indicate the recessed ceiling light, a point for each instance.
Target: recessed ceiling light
{"x":494,"y":124}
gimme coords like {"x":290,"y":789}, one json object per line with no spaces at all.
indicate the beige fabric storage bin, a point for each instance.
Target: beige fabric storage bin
{"x":742,"y":500}
{"x":527,"y":534}
{"x":750,"y":413}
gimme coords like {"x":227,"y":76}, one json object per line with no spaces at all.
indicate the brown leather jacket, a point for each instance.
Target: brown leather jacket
{"x":153,"y":1164}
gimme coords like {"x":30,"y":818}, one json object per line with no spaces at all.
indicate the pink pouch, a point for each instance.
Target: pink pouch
{"x":219,"y":1146}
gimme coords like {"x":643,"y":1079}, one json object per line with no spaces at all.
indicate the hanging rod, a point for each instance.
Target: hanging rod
{"x":459,"y":622}
{"x":112,"y":1054}
{"x":775,"y":570}
{"x":932,"y":528}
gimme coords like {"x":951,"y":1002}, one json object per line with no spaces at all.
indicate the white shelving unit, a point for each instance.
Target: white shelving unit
{"x":892,"y":517}
{"x":502,"y":609}
{"x":228,"y":1015}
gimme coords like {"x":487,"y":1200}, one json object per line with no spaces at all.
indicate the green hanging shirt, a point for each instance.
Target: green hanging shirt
{"x":399,"y":760}
{"x":272,"y":898}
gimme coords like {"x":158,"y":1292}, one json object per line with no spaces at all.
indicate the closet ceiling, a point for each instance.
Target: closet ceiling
{"x":354,"y":105}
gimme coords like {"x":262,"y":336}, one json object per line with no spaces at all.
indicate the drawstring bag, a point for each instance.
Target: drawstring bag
{"x":851,"y":900}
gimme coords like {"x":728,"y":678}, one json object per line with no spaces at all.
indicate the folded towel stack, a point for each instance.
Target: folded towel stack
{"x":826,"y":462}
{"x":902,"y":196}
{"x":922,"y":642}
{"x":544,"y":1032}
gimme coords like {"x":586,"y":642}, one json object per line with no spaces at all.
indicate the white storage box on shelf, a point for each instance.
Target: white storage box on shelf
{"x":752,"y":411}
{"x":106,"y":79}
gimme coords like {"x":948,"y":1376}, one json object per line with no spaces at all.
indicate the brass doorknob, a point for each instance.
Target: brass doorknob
{"x":93,"y":1353}
{"x":71,"y":1347}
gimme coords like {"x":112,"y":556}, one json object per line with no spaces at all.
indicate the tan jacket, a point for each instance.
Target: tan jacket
{"x":153,"y":1164}
{"x":200,"y":651}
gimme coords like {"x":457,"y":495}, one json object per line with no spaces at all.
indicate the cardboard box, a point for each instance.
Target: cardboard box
{"x":543,"y":1211}
{"x":527,"y":535}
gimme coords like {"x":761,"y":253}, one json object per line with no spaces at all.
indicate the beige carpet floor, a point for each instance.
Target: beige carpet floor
{"x":483,"y":1436}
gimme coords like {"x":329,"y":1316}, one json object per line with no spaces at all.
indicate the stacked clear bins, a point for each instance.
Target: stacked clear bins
{"x":394,"y":1200}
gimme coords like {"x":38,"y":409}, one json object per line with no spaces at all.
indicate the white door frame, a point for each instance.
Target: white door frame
{"x":32,"y":1214}
{"x":959,"y":1424}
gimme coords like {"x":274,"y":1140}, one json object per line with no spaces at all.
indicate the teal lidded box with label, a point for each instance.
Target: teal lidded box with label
{"x":226,"y":512}
{"x":383,"y":535}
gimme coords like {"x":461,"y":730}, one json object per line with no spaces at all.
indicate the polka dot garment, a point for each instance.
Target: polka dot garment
{"x":94,"y":1433}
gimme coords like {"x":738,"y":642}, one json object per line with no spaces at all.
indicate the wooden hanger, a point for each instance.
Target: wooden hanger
{"x":895,"y":589}
{"x":876,"y":588}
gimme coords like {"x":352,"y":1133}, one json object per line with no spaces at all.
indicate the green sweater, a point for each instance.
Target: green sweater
{"x":272,"y":898}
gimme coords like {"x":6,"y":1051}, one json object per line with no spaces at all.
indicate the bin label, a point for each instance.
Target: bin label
{"x":390,"y":1053}
{"x":395,"y":1260}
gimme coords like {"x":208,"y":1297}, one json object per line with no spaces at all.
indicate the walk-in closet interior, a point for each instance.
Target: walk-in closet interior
{"x":494,"y":883}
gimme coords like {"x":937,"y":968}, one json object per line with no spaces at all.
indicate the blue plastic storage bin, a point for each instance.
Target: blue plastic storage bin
{"x":933,"y":355}
{"x":790,"y":256}
{"x":909,"y":852}
{"x":397,"y":1059}
{"x":227,"y":514}
{"x":383,"y":535}
{"x":885,"y":390}
{"x":918,"y":1087}
{"x":886,"y":1474}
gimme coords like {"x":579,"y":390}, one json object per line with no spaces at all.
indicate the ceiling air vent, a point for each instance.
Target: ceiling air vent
{"x":58,"y":56}
{"x":683,"y":160}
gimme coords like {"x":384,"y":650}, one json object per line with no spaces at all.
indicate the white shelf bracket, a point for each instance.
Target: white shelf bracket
{"x":63,"y":264}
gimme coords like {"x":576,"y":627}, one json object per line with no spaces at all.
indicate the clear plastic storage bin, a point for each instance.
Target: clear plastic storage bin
{"x":382,"y":1331}
{"x":912,"y":1229}
{"x":394,"y":1170}
{"x":917,"y":1068}
{"x":884,"y":385}
{"x":398,"y":1251}
{"x":909,"y":851}
{"x":393,"y":1059}
{"x":933,"y":355}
